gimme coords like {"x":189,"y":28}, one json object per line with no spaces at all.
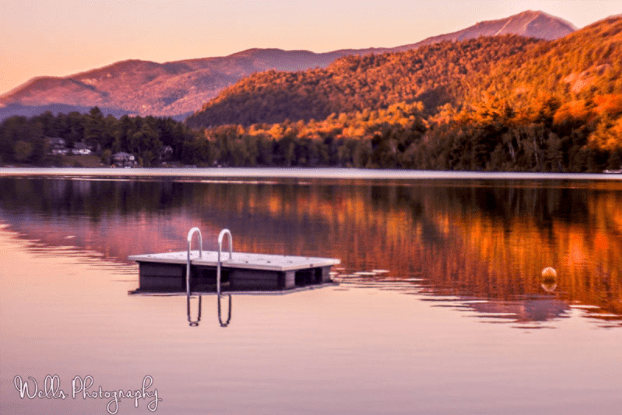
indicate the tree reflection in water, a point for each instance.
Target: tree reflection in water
{"x":481,"y":243}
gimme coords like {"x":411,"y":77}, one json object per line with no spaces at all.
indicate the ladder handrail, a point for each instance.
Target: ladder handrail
{"x":190,"y":234}
{"x":218,"y":271}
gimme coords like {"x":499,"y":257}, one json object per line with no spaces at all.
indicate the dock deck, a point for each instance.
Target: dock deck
{"x":242,"y":271}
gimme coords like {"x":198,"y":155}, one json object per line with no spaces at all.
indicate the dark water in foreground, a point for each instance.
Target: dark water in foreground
{"x":441,"y":307}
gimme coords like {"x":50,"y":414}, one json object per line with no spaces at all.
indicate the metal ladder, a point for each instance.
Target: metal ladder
{"x":220,"y":238}
{"x":190,"y":234}
{"x":218,"y":273}
{"x":223,"y":233}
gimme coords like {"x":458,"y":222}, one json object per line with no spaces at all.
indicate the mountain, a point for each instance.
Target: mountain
{"x":179,"y":88}
{"x":435,"y":74}
{"x":505,"y":103}
{"x":162,"y":89}
{"x":528,"y":24}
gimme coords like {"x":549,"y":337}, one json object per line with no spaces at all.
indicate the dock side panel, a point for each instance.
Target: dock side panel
{"x":243,"y":279}
{"x":312,"y":276}
{"x":323,"y":274}
{"x":162,"y":277}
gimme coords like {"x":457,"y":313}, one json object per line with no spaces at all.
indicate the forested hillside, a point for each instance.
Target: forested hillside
{"x":502,"y":103}
{"x":435,"y":74}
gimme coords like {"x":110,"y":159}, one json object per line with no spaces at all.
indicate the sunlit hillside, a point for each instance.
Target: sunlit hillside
{"x":434,"y":74}
{"x":502,"y":103}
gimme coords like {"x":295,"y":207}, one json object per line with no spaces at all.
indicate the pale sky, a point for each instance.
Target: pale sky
{"x":63,"y":37}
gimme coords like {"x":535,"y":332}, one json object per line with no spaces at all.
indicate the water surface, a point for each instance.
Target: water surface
{"x":441,"y":306}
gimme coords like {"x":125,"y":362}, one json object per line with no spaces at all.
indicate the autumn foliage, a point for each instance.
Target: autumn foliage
{"x":503,"y":103}
{"x":497,"y":103}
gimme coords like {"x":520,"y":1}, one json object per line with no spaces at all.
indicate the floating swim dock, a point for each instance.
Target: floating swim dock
{"x":209,"y":271}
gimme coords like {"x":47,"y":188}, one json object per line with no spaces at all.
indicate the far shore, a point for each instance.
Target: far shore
{"x":296,"y":173}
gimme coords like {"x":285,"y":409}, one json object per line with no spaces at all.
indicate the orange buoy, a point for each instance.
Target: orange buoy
{"x":549,"y":273}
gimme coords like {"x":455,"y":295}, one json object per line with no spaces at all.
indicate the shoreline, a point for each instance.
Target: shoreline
{"x":296,"y":173}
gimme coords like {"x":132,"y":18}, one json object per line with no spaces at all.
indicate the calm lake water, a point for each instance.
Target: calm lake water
{"x":441,"y":306}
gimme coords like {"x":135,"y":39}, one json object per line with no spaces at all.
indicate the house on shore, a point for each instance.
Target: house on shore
{"x":57,"y":145}
{"x":80,"y":149}
{"x":123,"y":159}
{"x":166,"y":153}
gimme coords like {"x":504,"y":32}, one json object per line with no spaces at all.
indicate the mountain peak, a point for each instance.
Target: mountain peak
{"x":529,"y":23}
{"x":537,"y":24}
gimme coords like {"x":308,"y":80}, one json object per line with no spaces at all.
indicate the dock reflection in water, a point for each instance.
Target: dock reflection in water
{"x":224,"y":307}
{"x":194,"y":321}
{"x":194,"y":305}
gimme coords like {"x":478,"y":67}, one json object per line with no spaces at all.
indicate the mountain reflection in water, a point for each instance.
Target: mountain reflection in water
{"x":473,"y":245}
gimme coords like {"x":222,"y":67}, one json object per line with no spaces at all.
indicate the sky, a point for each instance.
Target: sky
{"x":64,"y":37}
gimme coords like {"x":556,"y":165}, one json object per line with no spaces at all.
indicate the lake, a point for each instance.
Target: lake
{"x":440,"y":307}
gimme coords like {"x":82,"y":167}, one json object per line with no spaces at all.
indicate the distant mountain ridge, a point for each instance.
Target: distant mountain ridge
{"x":179,"y":88}
{"x":161,"y":89}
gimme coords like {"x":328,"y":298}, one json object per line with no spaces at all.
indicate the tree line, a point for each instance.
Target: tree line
{"x":493,"y":137}
{"x":26,"y":139}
